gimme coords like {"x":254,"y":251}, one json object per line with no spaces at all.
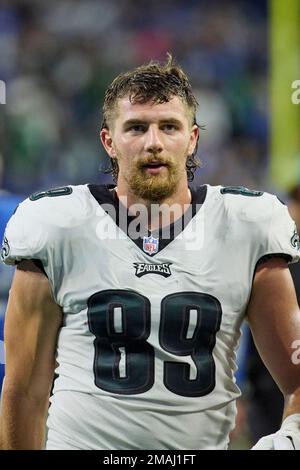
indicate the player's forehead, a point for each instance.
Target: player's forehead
{"x":175,"y":108}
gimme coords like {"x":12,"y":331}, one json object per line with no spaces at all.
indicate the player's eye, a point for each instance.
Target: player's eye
{"x":137,"y":128}
{"x":168,"y":127}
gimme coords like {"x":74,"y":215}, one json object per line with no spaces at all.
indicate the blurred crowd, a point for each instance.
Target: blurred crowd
{"x":58,"y":57}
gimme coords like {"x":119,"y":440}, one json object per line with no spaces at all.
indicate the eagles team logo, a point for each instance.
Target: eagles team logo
{"x":295,"y":240}
{"x":147,"y":268}
{"x":150,"y":245}
{"x":5,"y":249}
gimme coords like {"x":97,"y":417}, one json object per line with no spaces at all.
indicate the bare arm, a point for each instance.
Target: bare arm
{"x":274,"y":319}
{"x":31,"y":326}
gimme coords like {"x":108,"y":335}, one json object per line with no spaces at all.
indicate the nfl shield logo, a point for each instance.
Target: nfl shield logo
{"x":150,"y":245}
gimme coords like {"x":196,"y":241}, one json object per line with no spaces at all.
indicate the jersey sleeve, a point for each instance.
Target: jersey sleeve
{"x":283,"y":238}
{"x":25,"y":236}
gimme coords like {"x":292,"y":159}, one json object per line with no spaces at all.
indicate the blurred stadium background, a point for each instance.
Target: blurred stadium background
{"x":58,"y":57}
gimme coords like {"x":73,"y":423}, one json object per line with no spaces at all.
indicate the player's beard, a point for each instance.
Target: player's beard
{"x":154,"y":188}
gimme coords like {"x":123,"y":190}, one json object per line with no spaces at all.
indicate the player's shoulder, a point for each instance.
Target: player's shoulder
{"x":61,"y":206}
{"x":43,"y":220}
{"x":245,"y":204}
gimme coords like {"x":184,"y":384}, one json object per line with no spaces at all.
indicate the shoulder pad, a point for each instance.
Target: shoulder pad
{"x":240,"y":190}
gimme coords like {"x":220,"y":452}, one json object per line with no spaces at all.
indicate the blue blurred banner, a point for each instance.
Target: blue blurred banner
{"x":8,"y":203}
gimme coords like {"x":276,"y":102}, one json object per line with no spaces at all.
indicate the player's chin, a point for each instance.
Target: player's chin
{"x":157,"y":181}
{"x":156,"y":189}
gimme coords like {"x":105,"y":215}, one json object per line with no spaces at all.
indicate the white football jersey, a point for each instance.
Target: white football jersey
{"x":146,"y":352}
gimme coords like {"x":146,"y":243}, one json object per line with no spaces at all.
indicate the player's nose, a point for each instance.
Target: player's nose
{"x":153,"y":142}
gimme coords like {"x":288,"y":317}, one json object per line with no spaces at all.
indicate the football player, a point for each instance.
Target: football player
{"x":135,"y":293}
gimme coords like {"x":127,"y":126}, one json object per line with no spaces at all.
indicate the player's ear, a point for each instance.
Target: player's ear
{"x":107,"y":142}
{"x":193,"y":139}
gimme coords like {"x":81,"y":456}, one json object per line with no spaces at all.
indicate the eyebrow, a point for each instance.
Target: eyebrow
{"x":134,"y":122}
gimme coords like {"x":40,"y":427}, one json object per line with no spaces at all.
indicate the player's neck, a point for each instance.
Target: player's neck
{"x":158,"y":214}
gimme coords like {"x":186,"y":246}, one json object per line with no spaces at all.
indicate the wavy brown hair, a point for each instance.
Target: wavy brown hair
{"x":151,"y":82}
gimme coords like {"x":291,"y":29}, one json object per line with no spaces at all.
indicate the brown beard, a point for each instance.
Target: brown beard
{"x":153,"y":188}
